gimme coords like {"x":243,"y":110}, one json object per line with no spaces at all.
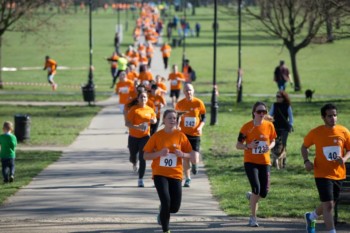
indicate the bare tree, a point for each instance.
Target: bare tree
{"x":296,"y":22}
{"x":22,"y":16}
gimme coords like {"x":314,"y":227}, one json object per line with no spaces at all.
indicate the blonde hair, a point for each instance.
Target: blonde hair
{"x":8,"y":126}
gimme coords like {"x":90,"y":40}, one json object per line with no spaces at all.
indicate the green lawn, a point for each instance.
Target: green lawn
{"x":322,"y":68}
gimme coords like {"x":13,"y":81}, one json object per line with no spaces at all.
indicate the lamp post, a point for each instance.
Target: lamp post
{"x":89,"y":89}
{"x":214,"y":101}
{"x":184,"y":37}
{"x":240,"y":71}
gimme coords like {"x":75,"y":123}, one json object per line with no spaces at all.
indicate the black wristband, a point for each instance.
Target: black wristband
{"x":306,"y":160}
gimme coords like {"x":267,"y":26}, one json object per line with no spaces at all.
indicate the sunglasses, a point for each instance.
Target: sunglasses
{"x":261,"y":111}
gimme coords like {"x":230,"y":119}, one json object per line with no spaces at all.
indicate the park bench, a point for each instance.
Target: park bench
{"x":344,"y":198}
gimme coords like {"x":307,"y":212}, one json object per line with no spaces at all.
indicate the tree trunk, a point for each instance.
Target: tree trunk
{"x":329,"y":26}
{"x":296,"y":78}
{"x":1,"y":84}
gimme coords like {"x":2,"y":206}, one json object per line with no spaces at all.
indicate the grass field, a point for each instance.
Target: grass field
{"x":322,"y":68}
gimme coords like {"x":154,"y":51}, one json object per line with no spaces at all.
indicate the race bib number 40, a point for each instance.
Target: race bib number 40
{"x":190,"y":122}
{"x":260,"y":148}
{"x":168,"y":161}
{"x":331,"y":152}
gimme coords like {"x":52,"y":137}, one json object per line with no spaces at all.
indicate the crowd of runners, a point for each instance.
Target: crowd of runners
{"x":174,"y":149}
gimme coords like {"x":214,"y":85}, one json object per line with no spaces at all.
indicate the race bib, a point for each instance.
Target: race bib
{"x":331,"y":152}
{"x":190,"y":121}
{"x":145,"y":82}
{"x":173,"y":82}
{"x":168,"y":161}
{"x":260,"y":148}
{"x":124,"y":90}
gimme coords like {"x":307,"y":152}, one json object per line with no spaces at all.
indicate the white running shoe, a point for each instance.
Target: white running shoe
{"x":140,"y":183}
{"x":253,"y":222}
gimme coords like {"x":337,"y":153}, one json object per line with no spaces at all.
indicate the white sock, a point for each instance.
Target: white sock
{"x":333,"y":231}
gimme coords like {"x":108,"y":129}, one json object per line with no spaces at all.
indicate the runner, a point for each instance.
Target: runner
{"x":51,"y":66}
{"x":113,"y":60}
{"x":259,"y":136}
{"x":331,"y":141}
{"x":139,"y":118}
{"x":167,"y":148}
{"x":123,"y":89}
{"x":159,"y":102}
{"x":191,"y":124}
{"x":176,"y":78}
{"x":166,"y":51}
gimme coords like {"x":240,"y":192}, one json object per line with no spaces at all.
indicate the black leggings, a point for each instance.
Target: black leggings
{"x":170,"y":193}
{"x":259,"y":178}
{"x":154,"y":127}
{"x":136,"y":147}
{"x":165,"y":60}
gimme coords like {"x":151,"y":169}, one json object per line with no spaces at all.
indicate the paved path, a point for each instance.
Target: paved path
{"x":91,"y":188}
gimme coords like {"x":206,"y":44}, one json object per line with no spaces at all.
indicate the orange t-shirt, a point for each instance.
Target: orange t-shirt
{"x":138,"y":115}
{"x":166,"y":50}
{"x":162,"y":86}
{"x":329,"y":143}
{"x":149,"y":51}
{"x":51,"y":66}
{"x":157,"y":100}
{"x":145,"y":78}
{"x":264,"y":133}
{"x":123,"y":89}
{"x":132,"y":75}
{"x":175,"y":83}
{"x":170,"y":165}
{"x":191,"y":119}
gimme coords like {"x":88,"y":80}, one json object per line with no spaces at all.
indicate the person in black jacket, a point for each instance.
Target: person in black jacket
{"x":282,"y":113}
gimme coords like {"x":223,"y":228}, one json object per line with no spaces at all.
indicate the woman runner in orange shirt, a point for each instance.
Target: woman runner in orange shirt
{"x":138,"y":119}
{"x":259,"y":136}
{"x":167,"y":148}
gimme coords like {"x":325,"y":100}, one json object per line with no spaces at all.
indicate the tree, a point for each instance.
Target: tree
{"x":296,"y":22}
{"x":20,"y":15}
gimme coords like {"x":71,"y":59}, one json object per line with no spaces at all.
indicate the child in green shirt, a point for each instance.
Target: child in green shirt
{"x":8,"y":143}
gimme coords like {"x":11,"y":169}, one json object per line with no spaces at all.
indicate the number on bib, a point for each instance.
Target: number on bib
{"x":168,"y":161}
{"x":331,"y":152}
{"x":260,"y":148}
{"x":190,"y":122}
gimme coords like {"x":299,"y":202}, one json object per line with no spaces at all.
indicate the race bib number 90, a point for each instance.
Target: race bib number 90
{"x":190,"y":122}
{"x":168,"y":161}
{"x":331,"y":152}
{"x":260,"y":148}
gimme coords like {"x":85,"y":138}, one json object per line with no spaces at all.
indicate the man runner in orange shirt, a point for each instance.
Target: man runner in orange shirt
{"x":191,"y":124}
{"x":331,"y":142}
{"x":51,"y":66}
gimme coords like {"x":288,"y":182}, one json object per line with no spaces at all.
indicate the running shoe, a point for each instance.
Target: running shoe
{"x":253,"y":222}
{"x":194,"y":169}
{"x":310,"y":224}
{"x":248,"y":195}
{"x":12,"y":178}
{"x":140,"y":183}
{"x":187,"y":183}
{"x":167,"y":232}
